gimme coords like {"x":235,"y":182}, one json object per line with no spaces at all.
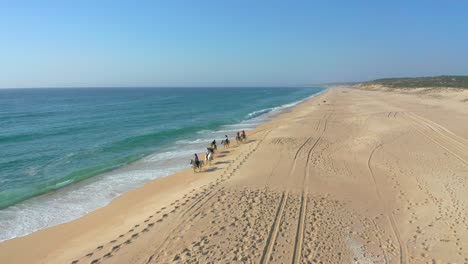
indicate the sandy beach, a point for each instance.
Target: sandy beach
{"x":350,"y":176}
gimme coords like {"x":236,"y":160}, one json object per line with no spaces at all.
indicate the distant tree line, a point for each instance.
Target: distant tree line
{"x":417,"y":82}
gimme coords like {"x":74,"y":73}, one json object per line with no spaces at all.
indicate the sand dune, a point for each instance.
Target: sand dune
{"x":350,"y":176}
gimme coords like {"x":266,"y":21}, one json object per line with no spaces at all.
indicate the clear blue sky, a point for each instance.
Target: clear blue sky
{"x":227,"y":43}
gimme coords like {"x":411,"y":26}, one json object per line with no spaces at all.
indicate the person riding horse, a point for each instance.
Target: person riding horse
{"x":225,"y":141}
{"x":209,"y":155}
{"x":213,"y":145}
{"x":238,"y":137}
{"x":197,"y":161}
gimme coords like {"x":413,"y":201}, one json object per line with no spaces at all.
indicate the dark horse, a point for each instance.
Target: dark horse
{"x":196,"y":165}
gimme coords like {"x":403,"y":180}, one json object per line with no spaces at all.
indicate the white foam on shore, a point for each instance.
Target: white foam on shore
{"x":75,"y":200}
{"x":68,"y":203}
{"x":278,"y":109}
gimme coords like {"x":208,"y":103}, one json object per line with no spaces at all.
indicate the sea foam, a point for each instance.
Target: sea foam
{"x":71,"y":201}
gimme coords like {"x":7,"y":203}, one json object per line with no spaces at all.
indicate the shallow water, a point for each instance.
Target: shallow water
{"x":59,"y":148}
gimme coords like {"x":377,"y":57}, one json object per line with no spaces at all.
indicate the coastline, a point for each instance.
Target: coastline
{"x":354,"y":170}
{"x":166,"y":161}
{"x":266,"y":117}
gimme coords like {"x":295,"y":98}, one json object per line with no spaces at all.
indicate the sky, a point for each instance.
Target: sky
{"x":227,"y":43}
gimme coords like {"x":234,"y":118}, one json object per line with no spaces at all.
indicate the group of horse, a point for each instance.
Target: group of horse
{"x":209,"y":155}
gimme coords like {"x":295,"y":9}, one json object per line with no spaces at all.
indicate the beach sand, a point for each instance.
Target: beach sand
{"x":350,"y":176}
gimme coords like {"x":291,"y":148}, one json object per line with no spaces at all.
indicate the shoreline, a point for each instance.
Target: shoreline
{"x":137,"y":167}
{"x":354,"y":170}
{"x":175,"y":183}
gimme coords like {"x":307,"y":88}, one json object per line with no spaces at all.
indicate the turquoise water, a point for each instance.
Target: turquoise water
{"x":52,"y":139}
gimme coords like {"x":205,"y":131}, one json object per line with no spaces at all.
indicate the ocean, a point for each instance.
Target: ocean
{"x":66,"y":152}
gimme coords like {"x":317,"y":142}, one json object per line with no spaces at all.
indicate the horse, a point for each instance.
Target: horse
{"x":243,"y":137}
{"x":208,"y":157}
{"x":238,"y":138}
{"x":225,"y":142}
{"x":213,"y":147}
{"x":195,"y":166}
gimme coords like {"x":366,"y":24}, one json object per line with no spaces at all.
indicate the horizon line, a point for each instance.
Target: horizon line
{"x":162,"y":87}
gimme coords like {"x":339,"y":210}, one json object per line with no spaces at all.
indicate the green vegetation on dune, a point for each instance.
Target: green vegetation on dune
{"x":416,"y":82}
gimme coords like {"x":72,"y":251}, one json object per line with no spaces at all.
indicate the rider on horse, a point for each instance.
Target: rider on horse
{"x":213,"y":145}
{"x":197,"y":161}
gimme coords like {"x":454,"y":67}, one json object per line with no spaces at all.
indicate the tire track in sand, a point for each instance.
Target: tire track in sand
{"x":266,"y":256}
{"x":279,"y":214}
{"x":441,"y":130}
{"x":440,"y":136}
{"x":274,"y":230}
{"x":204,"y":199}
{"x":390,"y":217}
{"x":300,"y":227}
